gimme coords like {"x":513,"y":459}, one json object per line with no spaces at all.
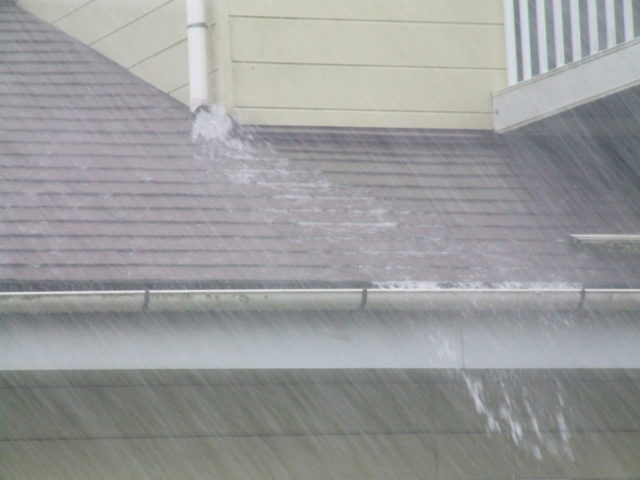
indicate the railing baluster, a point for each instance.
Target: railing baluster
{"x":541,"y":22}
{"x":592,"y":12}
{"x":610,"y":19}
{"x":519,"y":61}
{"x":525,"y":39}
{"x":510,"y":42}
{"x":558,"y":32}
{"x":576,"y":40}
{"x":627,"y":10}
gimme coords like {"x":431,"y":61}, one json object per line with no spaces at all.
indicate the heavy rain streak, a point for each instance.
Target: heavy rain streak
{"x":333,"y":239}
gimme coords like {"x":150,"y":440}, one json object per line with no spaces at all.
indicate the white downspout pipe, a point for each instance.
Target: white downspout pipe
{"x":197,"y":41}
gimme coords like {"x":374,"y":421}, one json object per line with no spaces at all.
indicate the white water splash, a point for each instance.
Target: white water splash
{"x":516,"y":416}
{"x":216,"y":129}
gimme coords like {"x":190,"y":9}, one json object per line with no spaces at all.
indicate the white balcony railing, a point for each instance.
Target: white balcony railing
{"x":541,"y":35}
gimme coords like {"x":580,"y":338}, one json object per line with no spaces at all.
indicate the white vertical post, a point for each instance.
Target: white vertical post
{"x":610,"y":19}
{"x":576,"y":41}
{"x":592,"y":12}
{"x":510,"y":41}
{"x":197,"y":43}
{"x":627,"y":10}
{"x":541,"y":22}
{"x":558,"y":32}
{"x":525,"y":39}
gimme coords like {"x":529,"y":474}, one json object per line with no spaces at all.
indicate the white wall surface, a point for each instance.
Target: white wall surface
{"x":314,"y":340}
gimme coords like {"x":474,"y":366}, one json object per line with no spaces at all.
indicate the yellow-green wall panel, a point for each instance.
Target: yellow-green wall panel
{"x":467,"y":11}
{"x":367,"y":43}
{"x":160,"y":30}
{"x":154,"y":69}
{"x":364,"y":88}
{"x":51,"y":11}
{"x":99,"y":18}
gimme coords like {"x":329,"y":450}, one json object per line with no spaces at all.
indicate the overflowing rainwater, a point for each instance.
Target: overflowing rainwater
{"x":518,"y":410}
{"x":394,"y":364}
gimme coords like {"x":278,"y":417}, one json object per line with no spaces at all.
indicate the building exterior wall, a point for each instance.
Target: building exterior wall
{"x":319,"y":424}
{"x":374,"y":63}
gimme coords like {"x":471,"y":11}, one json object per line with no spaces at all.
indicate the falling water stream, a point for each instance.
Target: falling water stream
{"x":516,"y":410}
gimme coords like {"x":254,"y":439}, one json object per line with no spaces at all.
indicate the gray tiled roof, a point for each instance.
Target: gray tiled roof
{"x":101,"y":184}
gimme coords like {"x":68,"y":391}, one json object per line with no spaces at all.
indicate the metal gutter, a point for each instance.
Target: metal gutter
{"x":71,"y":302}
{"x":321,"y":300}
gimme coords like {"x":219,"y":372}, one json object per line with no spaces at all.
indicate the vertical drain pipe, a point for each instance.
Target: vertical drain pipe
{"x":197,"y":40}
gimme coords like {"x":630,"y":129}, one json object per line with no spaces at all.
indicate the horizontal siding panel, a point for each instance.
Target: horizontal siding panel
{"x":182,"y":94}
{"x":455,"y":11}
{"x":368,"y":88}
{"x":51,"y":11}
{"x":166,"y":70}
{"x":309,"y":457}
{"x":346,"y":118}
{"x":218,"y":410}
{"x":593,"y":455}
{"x":98,"y":18}
{"x":363,"y":43}
{"x":159,"y":30}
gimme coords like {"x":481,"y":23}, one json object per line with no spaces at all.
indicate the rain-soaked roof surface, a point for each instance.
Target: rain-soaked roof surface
{"x":104,"y":183}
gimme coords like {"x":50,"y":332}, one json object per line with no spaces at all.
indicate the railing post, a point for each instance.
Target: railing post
{"x":541,"y":22}
{"x":525,"y":39}
{"x":592,"y":12}
{"x":576,"y":40}
{"x":510,"y":42}
{"x":610,"y":19}
{"x":627,"y":16}
{"x":558,"y":32}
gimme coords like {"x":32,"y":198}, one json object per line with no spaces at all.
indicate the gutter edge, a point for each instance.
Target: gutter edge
{"x":132,"y":301}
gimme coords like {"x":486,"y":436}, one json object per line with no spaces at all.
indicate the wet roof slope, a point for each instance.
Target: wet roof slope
{"x":101,"y":184}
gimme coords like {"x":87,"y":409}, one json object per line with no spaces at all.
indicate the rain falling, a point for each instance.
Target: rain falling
{"x":338,"y":239}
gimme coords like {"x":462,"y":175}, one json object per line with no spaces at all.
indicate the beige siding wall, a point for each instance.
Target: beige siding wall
{"x":373,"y":63}
{"x":316,"y":425}
{"x":148,"y":37}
